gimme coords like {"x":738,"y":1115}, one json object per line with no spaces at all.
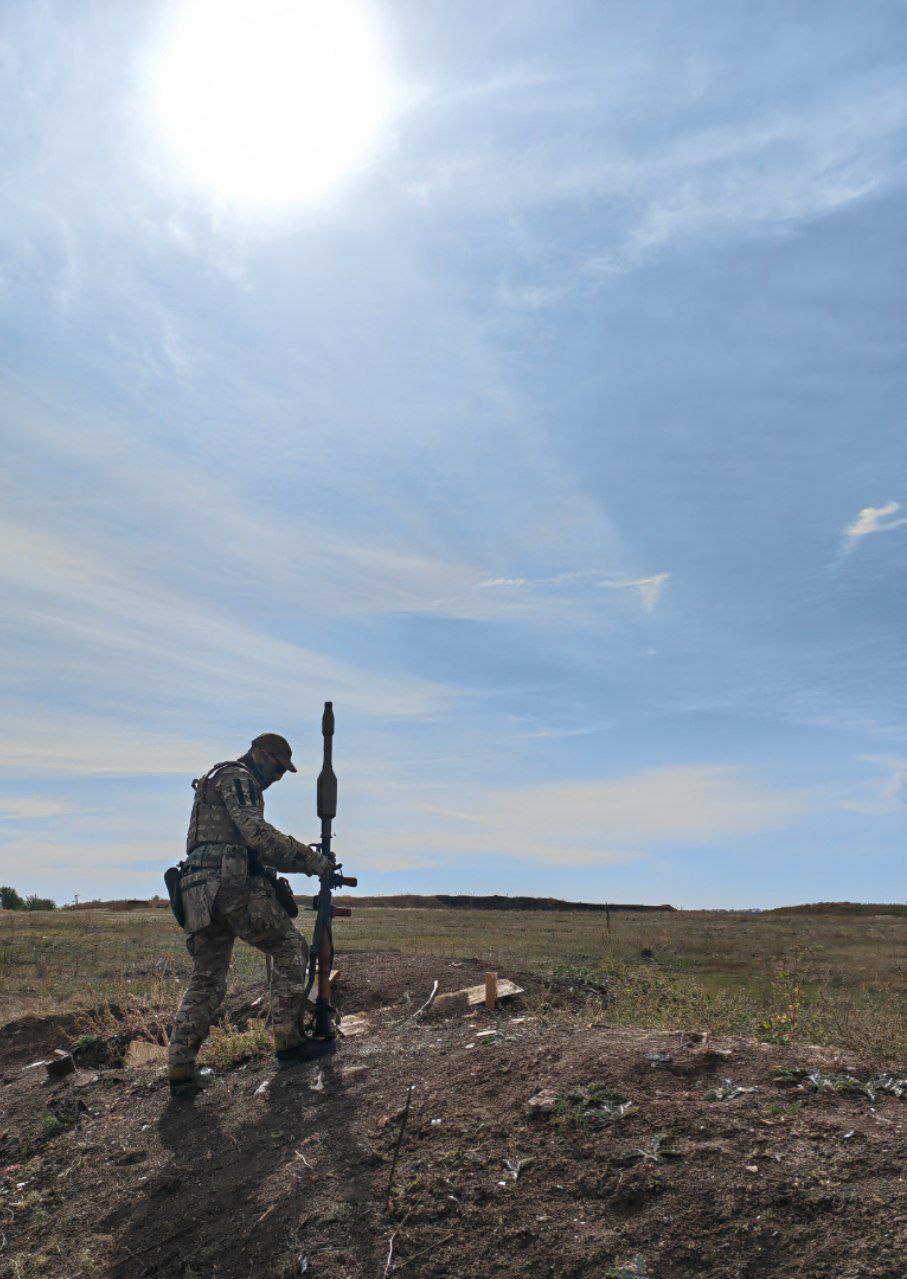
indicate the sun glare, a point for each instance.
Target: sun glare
{"x":270,"y":102}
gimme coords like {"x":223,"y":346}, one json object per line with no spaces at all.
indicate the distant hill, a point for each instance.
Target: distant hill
{"x":842,"y":908}
{"x":121,"y":903}
{"x":444,"y":901}
{"x":440,"y":901}
{"x":463,"y":901}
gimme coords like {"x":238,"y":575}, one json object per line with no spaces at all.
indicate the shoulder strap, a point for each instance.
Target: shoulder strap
{"x":205,"y":778}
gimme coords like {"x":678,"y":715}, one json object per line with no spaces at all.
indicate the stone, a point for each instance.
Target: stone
{"x":542,"y":1104}
{"x":60,"y":1063}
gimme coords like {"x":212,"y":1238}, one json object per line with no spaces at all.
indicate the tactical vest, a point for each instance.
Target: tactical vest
{"x":210,"y":822}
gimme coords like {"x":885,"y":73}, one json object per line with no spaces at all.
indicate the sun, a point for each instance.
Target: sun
{"x":270,"y":102}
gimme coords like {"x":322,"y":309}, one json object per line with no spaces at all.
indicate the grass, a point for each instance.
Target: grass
{"x":226,"y":1046}
{"x":823,"y":978}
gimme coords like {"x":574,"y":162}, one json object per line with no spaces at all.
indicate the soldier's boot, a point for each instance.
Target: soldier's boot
{"x":308,"y":1050}
{"x":186,"y":1082}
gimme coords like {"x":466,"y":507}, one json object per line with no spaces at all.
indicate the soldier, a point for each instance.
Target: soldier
{"x":226,"y":895}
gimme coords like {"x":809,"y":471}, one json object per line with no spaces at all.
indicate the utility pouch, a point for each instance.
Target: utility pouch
{"x":284,"y":891}
{"x":174,"y":892}
{"x":281,"y":885}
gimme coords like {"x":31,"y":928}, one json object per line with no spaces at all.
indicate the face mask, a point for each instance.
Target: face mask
{"x":268,"y":773}
{"x":265,"y":771}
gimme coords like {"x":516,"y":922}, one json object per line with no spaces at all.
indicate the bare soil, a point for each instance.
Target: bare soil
{"x":102,"y":1175}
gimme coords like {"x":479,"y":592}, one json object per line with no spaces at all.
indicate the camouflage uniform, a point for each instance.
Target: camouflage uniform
{"x":223,"y":901}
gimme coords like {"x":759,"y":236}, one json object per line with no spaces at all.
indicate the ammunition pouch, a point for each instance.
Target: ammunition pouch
{"x":280,"y":884}
{"x":174,"y":892}
{"x":284,"y":890}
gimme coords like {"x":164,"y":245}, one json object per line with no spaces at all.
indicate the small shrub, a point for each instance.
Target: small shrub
{"x":34,"y":902}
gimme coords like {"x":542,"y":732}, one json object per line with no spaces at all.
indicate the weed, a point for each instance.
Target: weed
{"x":61,"y":1113}
{"x":28,"y":1265}
{"x":791,"y":1110}
{"x":227,"y":1046}
{"x":631,"y":1268}
{"x":591,"y":1106}
{"x":781,"y":1027}
{"x":51,"y":1125}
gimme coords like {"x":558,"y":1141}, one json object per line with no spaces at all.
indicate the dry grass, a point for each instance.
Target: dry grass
{"x":226,"y":1046}
{"x":822,"y":978}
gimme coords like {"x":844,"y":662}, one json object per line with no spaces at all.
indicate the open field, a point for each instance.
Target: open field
{"x":824,"y":978}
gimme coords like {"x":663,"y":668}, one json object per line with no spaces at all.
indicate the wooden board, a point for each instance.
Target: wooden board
{"x":476,"y":994}
{"x":140,"y":1053}
{"x":352,"y":1024}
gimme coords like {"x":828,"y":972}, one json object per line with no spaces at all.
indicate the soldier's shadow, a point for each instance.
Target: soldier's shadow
{"x":229,"y":1200}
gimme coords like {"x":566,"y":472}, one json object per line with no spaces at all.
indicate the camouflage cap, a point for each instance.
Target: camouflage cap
{"x":277,"y":746}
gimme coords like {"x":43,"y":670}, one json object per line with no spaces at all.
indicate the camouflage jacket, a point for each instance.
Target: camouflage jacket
{"x":229,"y":811}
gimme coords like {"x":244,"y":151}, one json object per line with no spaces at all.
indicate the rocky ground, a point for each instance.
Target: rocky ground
{"x":549,"y":1146}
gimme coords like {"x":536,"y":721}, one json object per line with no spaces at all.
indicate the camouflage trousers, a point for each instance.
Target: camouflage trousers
{"x":251,"y":912}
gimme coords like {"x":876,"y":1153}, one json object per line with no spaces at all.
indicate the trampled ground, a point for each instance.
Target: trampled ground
{"x":284,"y":1175}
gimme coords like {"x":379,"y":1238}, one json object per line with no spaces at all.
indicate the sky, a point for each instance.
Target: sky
{"x":527,"y":379}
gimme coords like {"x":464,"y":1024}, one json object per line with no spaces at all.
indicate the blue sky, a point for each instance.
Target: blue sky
{"x":559,"y":442}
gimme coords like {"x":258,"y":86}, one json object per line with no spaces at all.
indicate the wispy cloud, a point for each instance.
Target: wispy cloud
{"x":648,"y":588}
{"x":597,"y":822}
{"x":30,"y":809}
{"x":887,"y":793}
{"x":69,"y":744}
{"x":764,"y":175}
{"x":531,"y":730}
{"x":110,"y":620}
{"x":84,"y":861}
{"x":875,"y":519}
{"x":761,"y":172}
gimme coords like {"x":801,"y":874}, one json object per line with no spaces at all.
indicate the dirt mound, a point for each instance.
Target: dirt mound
{"x":28,"y":1038}
{"x":534,"y":1144}
{"x":886,"y":910}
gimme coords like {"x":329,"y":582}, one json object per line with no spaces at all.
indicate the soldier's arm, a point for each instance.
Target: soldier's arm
{"x":241,"y":796}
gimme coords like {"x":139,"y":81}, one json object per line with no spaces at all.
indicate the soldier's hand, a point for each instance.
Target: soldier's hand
{"x":325,"y":865}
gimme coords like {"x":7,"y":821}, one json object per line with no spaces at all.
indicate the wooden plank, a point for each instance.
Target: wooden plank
{"x":476,"y":994}
{"x":140,"y":1053}
{"x":352,"y":1024}
{"x":491,"y":990}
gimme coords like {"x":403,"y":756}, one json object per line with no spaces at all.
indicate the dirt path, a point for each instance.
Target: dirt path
{"x":290,"y":1178}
